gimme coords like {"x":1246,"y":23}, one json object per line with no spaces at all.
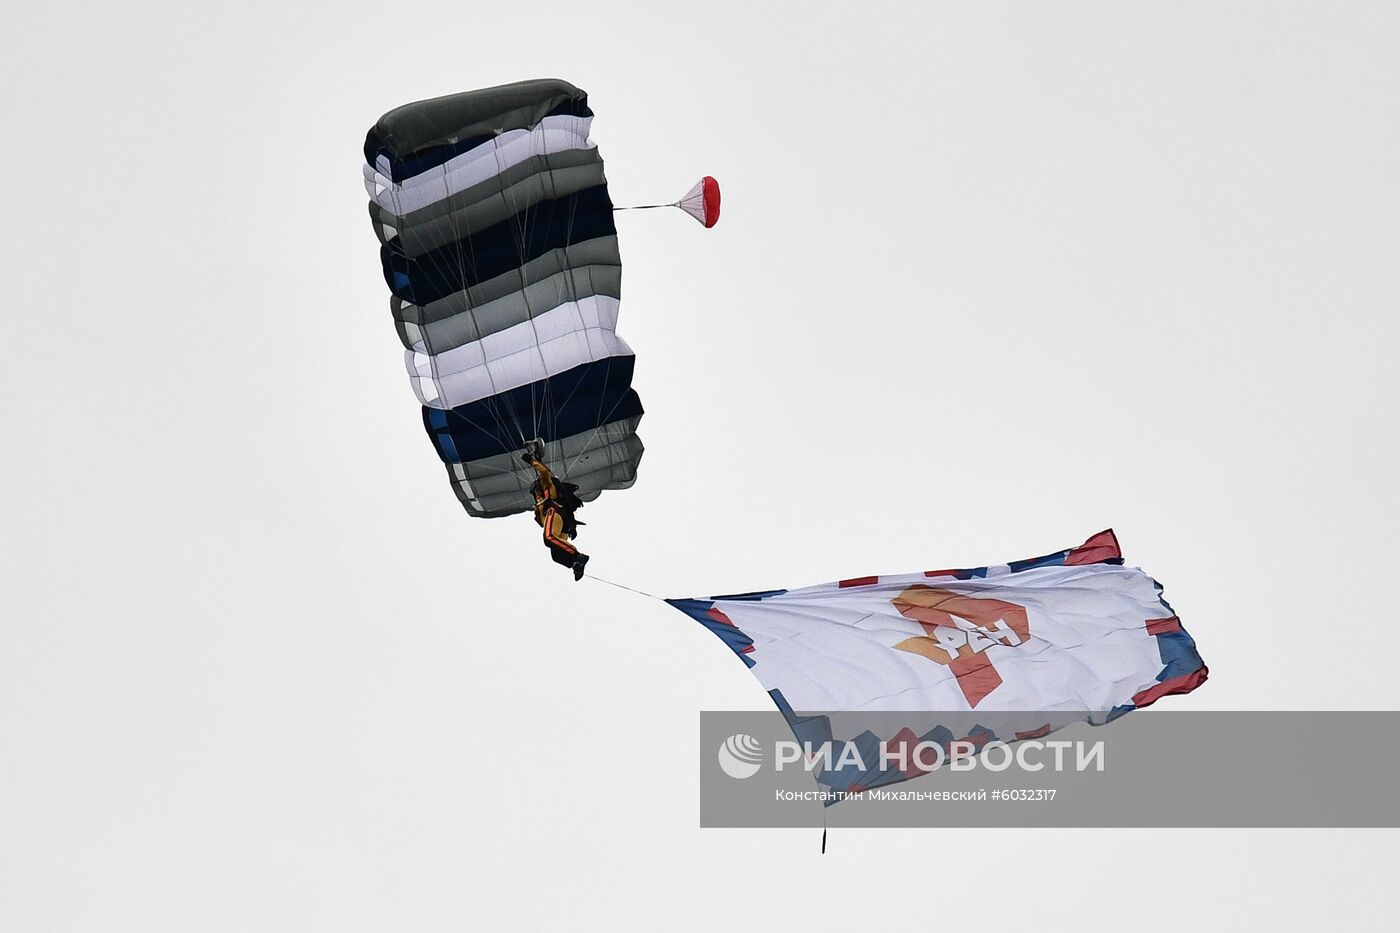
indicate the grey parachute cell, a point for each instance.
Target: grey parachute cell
{"x":499,"y":248}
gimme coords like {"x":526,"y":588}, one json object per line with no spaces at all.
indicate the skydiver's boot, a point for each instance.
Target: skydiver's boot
{"x":578,"y":567}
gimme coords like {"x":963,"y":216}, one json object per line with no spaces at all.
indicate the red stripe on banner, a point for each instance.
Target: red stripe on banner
{"x":858,"y":581}
{"x":1163,"y":626}
{"x":977,"y":741}
{"x":1183,"y":684}
{"x":720,"y":617}
{"x":1101,"y":547}
{"x":941,"y":573}
{"x":976,"y":677}
{"x":901,"y":751}
{"x":1034,"y":733}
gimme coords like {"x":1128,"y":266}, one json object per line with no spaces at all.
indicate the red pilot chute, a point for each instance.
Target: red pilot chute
{"x":700,"y":202}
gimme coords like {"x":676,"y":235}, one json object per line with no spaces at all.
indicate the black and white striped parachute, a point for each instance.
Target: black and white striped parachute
{"x":501,"y":253}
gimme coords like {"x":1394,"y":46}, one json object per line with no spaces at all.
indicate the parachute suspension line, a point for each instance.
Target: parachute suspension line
{"x":627,"y":588}
{"x":584,"y":449}
{"x":520,"y":225}
{"x":602,"y":423}
{"x":646,"y":207}
{"x":549,"y":408}
{"x":467,"y":263}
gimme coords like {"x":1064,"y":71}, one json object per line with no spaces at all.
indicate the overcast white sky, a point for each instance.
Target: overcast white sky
{"x":988,"y":280}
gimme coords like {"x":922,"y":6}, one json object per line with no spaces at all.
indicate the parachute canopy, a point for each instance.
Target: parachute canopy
{"x":500,"y":251}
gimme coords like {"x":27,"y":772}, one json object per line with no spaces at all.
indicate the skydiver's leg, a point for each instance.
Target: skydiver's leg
{"x":572,"y":558}
{"x":560,"y":548}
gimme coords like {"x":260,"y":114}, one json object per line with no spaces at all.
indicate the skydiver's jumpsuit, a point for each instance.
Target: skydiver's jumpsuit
{"x":553,"y":517}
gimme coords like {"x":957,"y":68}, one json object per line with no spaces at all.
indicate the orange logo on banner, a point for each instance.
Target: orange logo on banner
{"x":958,"y":630}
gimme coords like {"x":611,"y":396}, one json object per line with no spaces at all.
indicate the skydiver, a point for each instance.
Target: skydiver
{"x":555,"y":503}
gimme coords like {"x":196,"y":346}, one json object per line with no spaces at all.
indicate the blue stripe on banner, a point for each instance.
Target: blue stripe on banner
{"x":699,"y":609}
{"x":755,"y":596}
{"x":498,"y":249}
{"x":416,"y":163}
{"x":1049,"y":560}
{"x":572,"y":402}
{"x":1178,"y":651}
{"x":813,"y":731}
